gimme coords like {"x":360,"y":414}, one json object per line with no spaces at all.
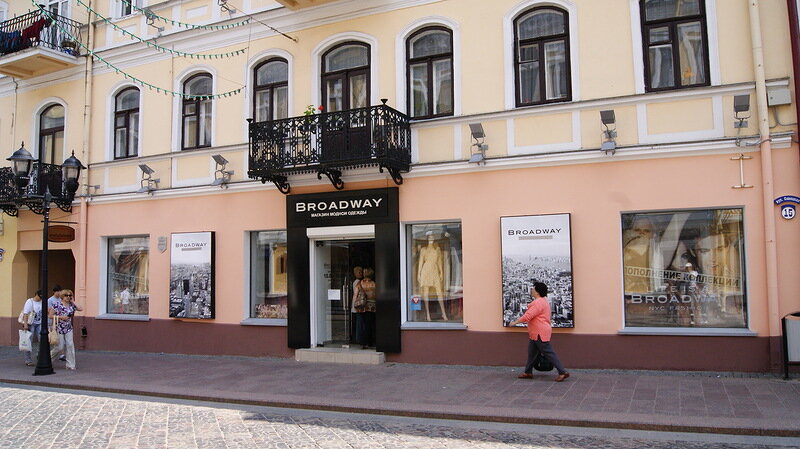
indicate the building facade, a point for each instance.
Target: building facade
{"x":244,"y":157}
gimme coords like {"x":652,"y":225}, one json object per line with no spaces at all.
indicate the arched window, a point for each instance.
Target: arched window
{"x":271,"y":91}
{"x":197,"y":112}
{"x":675,"y":43}
{"x":541,"y":56}
{"x":51,"y":134}
{"x":126,"y":123}
{"x":345,"y":77}
{"x":429,"y":54}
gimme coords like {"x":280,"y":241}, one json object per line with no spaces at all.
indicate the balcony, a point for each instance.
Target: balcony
{"x":33,"y":44}
{"x":44,"y":177}
{"x":300,"y":4}
{"x":330,"y":142}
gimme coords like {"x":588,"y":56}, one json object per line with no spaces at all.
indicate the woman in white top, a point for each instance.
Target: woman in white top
{"x":32,"y":321}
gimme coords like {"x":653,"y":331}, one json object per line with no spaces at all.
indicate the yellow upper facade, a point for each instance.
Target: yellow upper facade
{"x":535,"y":74}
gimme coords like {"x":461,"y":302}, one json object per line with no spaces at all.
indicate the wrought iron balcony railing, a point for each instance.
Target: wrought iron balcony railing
{"x":44,"y":177}
{"x":329,"y":142}
{"x":37,"y":29}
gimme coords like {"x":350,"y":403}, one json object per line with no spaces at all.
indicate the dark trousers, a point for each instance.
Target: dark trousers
{"x":365,"y":328}
{"x":537,"y":346}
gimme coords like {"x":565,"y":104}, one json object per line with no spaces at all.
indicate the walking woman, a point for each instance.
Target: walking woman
{"x":63,"y":311}
{"x":539,"y":331}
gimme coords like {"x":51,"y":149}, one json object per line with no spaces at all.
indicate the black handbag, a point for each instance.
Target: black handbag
{"x":542,"y":363}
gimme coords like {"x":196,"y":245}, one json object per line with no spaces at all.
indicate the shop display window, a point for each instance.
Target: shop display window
{"x":436,"y":290}
{"x":268,"y":275}
{"x":128,"y":290}
{"x":684,"y":269}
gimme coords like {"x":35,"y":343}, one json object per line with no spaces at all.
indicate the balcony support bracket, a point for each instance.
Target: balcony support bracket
{"x":281,"y":182}
{"x":334,"y":175}
{"x":394,"y":173}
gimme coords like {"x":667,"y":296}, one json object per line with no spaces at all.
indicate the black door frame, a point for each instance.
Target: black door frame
{"x":382,"y":211}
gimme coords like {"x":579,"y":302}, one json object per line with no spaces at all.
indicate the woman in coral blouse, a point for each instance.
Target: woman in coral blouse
{"x":539,"y":331}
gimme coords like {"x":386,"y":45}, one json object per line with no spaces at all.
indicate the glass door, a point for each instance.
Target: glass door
{"x":335,"y":263}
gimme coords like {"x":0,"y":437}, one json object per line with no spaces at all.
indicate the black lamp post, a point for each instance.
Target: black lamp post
{"x":23,"y":169}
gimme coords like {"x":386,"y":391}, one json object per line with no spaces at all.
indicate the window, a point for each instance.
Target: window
{"x":541,"y":56}
{"x":125,"y":7}
{"x":271,"y":92}
{"x":3,"y":11}
{"x":430,"y":73}
{"x":436,"y":281}
{"x":197,"y":112}
{"x":51,"y":134}
{"x":345,"y":77}
{"x":126,"y":123}
{"x":268,"y":274}
{"x":128,"y":290}
{"x":675,"y":43}
{"x":684,"y":269}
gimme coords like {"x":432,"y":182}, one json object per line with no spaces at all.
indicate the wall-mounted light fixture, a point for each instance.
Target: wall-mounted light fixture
{"x":225,"y":7}
{"x":151,"y":20}
{"x":478,"y":148}
{"x":741,"y":105}
{"x":221,"y":176}
{"x":609,"y":119}
{"x":148,"y":183}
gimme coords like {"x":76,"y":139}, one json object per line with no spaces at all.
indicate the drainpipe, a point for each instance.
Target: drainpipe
{"x":87,"y":122}
{"x":794,"y":35}
{"x":771,"y":253}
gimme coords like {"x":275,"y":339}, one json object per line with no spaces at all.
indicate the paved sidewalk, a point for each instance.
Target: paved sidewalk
{"x":694,"y":402}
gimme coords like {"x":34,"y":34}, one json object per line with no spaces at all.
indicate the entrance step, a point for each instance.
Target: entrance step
{"x":340,"y":355}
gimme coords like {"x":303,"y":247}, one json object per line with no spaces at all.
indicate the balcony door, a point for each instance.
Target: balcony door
{"x":53,"y":35}
{"x":345,"y":94}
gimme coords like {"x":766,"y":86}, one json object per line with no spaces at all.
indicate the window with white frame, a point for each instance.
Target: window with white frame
{"x":268,"y":288}
{"x":429,"y":55}
{"x":675,"y":39}
{"x":51,"y":134}
{"x":197,"y":105}
{"x":436,"y":282}
{"x":271,"y":90}
{"x":541,"y":56}
{"x":126,"y":123}
{"x":3,"y":11}
{"x":122,"y":8}
{"x":127,"y":283}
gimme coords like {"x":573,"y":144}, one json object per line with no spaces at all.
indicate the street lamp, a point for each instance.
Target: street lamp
{"x":24,"y":170}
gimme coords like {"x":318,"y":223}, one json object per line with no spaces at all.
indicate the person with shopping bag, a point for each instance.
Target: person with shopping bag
{"x":62,"y":312}
{"x":31,"y":320}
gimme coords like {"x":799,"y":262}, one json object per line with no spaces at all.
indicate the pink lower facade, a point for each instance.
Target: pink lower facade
{"x":621,"y":305}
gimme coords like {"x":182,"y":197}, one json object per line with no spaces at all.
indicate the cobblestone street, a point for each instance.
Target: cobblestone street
{"x":97,"y":420}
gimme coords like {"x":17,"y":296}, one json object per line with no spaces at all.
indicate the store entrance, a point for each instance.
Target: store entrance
{"x":333,"y":323}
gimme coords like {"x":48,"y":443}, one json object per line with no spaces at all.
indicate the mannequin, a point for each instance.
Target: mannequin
{"x":430,"y":274}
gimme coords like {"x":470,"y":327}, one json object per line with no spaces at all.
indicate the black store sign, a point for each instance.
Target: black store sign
{"x":342,"y":208}
{"x":379,"y":207}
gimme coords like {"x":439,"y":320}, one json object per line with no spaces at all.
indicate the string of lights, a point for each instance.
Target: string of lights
{"x":151,"y":14}
{"x":128,"y":75}
{"x":159,"y":47}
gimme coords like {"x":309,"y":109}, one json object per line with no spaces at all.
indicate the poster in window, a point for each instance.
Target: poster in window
{"x":684,"y":269}
{"x":191,"y":281}
{"x":537,"y":248}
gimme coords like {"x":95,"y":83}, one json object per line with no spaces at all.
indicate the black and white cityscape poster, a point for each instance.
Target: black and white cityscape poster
{"x":191,"y":280}
{"x":537,"y":248}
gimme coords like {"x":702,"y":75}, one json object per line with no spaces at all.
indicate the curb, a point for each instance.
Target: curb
{"x":744,"y":431}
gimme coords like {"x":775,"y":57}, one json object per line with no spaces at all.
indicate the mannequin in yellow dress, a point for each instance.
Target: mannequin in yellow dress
{"x":430,"y":274}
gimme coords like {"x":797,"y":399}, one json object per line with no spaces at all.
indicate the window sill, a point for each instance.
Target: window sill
{"x":415,"y":325}
{"x":263,"y":322}
{"x":693,"y":332}
{"x":122,"y":317}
